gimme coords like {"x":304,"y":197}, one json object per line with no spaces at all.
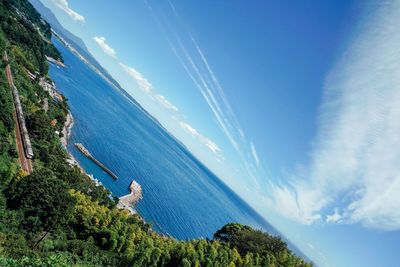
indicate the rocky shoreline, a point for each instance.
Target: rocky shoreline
{"x":66,"y":132}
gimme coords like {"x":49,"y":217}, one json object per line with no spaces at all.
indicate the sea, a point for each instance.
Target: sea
{"x":182,"y":198}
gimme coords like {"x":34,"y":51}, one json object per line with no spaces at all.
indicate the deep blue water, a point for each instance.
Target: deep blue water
{"x":181,"y":197}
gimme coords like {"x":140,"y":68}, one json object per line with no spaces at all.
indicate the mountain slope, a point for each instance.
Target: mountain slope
{"x":72,"y":39}
{"x":48,"y":15}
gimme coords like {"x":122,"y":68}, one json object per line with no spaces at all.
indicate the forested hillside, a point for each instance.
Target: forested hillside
{"x":57,"y":216}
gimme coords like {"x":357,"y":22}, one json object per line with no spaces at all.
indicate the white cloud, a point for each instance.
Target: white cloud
{"x":64,"y":6}
{"x":356,"y":159}
{"x":335,"y":217}
{"x":141,"y":81}
{"x":147,"y":87}
{"x":254,"y":153}
{"x":204,"y":140}
{"x":101,"y":41}
{"x":166,"y":103}
{"x":295,"y":202}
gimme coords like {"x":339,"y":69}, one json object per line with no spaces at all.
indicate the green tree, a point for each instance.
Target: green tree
{"x":43,"y":199}
{"x":246,"y":239}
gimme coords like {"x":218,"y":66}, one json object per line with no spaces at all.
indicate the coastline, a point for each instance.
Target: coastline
{"x":69,"y":123}
{"x":67,"y":130}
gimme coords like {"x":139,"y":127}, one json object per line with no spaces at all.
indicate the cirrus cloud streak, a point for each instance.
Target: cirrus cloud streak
{"x":196,"y":65}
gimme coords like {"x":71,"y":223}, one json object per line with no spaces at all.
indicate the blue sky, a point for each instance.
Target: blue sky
{"x":293,"y":105}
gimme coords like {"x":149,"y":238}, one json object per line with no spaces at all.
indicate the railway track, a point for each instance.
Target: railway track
{"x":25,"y":163}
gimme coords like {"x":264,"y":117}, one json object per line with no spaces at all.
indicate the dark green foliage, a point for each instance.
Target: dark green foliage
{"x":43,"y":199}
{"x":8,"y":153}
{"x":6,"y":104}
{"x":22,"y":25}
{"x":28,"y":13}
{"x":246,"y":239}
{"x":51,"y":51}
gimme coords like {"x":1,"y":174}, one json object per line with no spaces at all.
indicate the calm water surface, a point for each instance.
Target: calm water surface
{"x":181,"y":197}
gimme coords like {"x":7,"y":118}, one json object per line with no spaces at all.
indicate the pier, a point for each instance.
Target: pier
{"x":130,"y":200}
{"x":87,"y":154}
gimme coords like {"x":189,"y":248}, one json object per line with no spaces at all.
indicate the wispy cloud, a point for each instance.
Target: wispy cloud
{"x":356,"y":160}
{"x":335,"y":217}
{"x":166,"y":103}
{"x":64,"y":6}
{"x":203,"y":140}
{"x":102,"y":42}
{"x":147,"y":87}
{"x":141,"y":81}
{"x":355,"y":168}
{"x":196,"y":65}
{"x":254,"y":153}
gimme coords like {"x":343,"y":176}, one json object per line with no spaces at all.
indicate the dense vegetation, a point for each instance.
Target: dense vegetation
{"x":56,"y":216}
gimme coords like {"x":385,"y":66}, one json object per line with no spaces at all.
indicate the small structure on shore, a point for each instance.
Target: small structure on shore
{"x":55,"y":61}
{"x":130,"y":200}
{"x":50,"y":87}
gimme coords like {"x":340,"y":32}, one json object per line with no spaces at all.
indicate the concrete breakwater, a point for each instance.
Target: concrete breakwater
{"x":86,"y":152}
{"x":130,"y":200}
